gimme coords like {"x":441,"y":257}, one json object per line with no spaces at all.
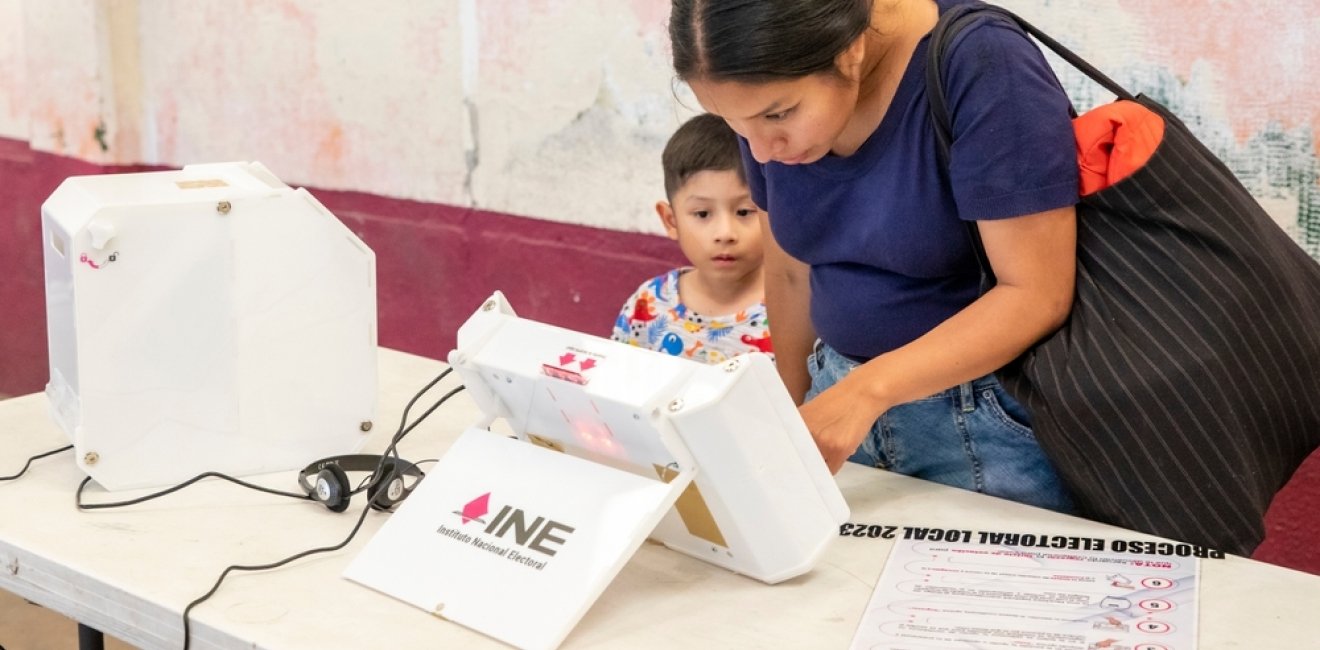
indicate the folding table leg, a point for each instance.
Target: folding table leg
{"x":90,"y":638}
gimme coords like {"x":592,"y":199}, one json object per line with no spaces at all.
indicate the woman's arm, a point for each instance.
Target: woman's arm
{"x":787,"y":305}
{"x":1034,"y":260}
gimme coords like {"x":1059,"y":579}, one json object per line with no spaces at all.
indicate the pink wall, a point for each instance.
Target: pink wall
{"x":435,"y":264}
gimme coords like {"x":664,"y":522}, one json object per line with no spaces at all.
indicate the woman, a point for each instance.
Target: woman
{"x":871,"y":276}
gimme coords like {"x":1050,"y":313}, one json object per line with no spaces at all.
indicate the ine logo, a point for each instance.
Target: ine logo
{"x":540,"y":534}
{"x":475,"y":509}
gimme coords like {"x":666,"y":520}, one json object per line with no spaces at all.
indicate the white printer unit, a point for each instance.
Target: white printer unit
{"x":205,"y":319}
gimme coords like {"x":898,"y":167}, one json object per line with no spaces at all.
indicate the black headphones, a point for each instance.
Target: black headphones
{"x":329,"y":483}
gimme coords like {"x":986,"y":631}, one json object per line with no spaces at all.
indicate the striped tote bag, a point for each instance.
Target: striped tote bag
{"x":1177,"y":399}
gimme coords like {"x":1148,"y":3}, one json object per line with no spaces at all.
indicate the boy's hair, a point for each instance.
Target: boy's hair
{"x":703,"y":143}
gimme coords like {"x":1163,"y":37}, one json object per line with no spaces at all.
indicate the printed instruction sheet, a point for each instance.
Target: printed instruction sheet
{"x":946,"y":596}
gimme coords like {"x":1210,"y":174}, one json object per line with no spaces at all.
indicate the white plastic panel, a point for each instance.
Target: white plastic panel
{"x":207,"y":319}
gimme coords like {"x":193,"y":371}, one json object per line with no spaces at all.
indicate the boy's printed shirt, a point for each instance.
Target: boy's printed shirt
{"x":655,"y":318}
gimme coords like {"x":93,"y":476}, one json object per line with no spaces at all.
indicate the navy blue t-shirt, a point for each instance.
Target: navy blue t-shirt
{"x":882,"y":229}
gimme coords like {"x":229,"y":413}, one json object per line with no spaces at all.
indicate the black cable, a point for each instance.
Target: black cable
{"x":404,"y":419}
{"x":404,"y":428}
{"x":29,"y":464}
{"x":435,"y":406}
{"x":147,"y":497}
{"x":371,"y":479}
{"x":187,"y":626}
{"x":390,"y":451}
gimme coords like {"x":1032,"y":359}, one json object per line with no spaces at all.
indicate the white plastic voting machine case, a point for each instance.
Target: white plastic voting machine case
{"x":205,"y":319}
{"x":517,"y":538}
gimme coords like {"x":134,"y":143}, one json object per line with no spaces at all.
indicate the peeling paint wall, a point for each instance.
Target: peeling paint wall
{"x":558,"y":109}
{"x":13,"y":75}
{"x":339,"y":94}
{"x":1242,"y":74}
{"x":551,"y":109}
{"x":575,"y":101}
{"x":65,"y":85}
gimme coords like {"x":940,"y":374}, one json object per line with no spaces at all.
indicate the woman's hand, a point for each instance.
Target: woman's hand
{"x":839,"y":419}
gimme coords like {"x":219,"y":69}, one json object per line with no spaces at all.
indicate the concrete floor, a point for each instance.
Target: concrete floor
{"x":24,"y":626}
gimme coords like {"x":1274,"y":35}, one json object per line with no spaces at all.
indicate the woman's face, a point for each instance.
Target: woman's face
{"x":793,"y":122}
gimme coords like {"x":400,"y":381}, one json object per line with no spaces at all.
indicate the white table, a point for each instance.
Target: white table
{"x":130,"y":572}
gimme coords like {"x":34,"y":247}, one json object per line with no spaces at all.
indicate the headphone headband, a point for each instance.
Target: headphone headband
{"x":358,"y":463}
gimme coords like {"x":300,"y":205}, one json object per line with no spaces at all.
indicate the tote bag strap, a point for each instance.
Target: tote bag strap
{"x":951,"y":23}
{"x":954,"y":21}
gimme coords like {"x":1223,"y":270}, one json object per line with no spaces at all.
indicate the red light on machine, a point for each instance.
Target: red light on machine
{"x":594,"y":434}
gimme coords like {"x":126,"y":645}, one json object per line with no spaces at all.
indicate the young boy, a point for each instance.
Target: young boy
{"x":714,"y":309}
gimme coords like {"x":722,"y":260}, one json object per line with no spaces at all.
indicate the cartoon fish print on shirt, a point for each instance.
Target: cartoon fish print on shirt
{"x":671,"y":344}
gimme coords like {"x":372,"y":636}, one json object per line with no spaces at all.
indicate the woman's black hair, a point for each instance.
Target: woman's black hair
{"x":762,"y":40}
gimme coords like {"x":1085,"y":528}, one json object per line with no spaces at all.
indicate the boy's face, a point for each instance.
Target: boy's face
{"x":716,"y":224}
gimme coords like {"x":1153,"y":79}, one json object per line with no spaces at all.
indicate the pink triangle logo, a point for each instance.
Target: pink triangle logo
{"x":475,"y":509}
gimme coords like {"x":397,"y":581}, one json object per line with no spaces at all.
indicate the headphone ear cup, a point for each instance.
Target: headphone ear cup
{"x":331,"y":488}
{"x":388,"y":491}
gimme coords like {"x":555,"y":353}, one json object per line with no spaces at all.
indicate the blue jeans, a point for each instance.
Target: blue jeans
{"x":973,"y":436}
